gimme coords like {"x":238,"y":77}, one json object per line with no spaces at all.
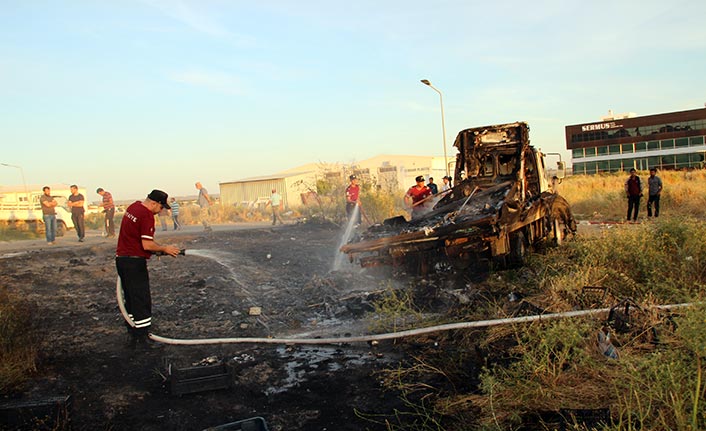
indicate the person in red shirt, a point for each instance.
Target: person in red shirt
{"x":136,"y":244}
{"x":415,"y":195}
{"x":353,"y":199}
{"x":109,"y":210}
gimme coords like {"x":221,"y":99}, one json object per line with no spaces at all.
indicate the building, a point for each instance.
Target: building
{"x":256,"y":191}
{"x":673,"y":140}
{"x":391,"y":173}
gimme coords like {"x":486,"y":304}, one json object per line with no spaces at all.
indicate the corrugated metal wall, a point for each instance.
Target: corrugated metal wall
{"x":252,"y":192}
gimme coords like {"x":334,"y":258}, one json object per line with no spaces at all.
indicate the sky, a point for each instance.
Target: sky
{"x":131,"y":95}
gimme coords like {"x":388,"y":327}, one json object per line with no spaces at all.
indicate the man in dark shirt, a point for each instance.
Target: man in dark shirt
{"x":654,"y":189}
{"x":432,"y":186}
{"x":76,"y":202}
{"x":633,"y":190}
{"x":135,"y":246}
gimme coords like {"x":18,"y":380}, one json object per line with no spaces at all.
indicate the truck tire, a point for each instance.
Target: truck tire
{"x":518,"y":249}
{"x":60,"y":228}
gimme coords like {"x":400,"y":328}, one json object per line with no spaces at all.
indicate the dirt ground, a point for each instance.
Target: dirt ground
{"x":206,"y":294}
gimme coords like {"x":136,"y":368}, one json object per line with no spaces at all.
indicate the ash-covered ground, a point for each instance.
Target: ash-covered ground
{"x":286,"y":271}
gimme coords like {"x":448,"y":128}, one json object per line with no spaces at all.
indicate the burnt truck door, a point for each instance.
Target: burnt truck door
{"x":535,"y":180}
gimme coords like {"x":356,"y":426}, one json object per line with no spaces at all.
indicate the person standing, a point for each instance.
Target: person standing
{"x":48,"y":214}
{"x":446,"y":183}
{"x":136,"y":244}
{"x":654,"y":188}
{"x":353,"y":199}
{"x":276,"y":203}
{"x":163,"y":215}
{"x":633,"y":190}
{"x":434,"y":189}
{"x":76,"y":202}
{"x":204,"y":201}
{"x":175,"y":213}
{"x":109,"y":210}
{"x":415,"y":195}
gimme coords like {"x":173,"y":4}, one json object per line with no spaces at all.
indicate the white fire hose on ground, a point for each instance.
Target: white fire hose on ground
{"x":368,"y":338}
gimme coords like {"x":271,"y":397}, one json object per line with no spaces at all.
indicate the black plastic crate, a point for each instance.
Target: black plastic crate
{"x":200,"y":379}
{"x":51,"y":413}
{"x":252,"y":424}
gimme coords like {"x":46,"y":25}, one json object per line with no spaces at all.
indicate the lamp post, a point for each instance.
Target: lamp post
{"x":22,"y":172}
{"x":443,"y":125}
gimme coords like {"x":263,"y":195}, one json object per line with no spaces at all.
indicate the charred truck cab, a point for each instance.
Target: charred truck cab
{"x":500,"y":209}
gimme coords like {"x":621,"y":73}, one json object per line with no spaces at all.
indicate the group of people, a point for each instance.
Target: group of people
{"x":418,"y":195}
{"x":76,"y":202}
{"x":415,"y":198}
{"x":634,"y":192}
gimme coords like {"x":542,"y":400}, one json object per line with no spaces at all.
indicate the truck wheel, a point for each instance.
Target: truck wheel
{"x":60,"y":228}
{"x":518,"y":249}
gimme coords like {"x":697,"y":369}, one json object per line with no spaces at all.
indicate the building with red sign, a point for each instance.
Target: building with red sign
{"x":673,"y":140}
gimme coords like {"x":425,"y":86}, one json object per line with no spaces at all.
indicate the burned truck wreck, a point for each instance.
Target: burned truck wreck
{"x":499,"y":210}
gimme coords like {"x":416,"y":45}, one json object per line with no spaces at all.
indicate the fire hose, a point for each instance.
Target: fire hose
{"x":375,"y":337}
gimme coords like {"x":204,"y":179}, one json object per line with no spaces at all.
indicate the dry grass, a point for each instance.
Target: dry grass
{"x":655,"y":384}
{"x":19,"y":343}
{"x":602,"y":197}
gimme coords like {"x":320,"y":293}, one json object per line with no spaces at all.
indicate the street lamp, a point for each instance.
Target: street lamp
{"x":22,"y":172}
{"x":443,"y":125}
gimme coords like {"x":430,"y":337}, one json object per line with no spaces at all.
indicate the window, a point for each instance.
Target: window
{"x":577,"y":153}
{"x":653,"y":145}
{"x":696,"y":159}
{"x":614,"y":149}
{"x":590,"y":152}
{"x":696,"y":140}
{"x":682,"y":160}
{"x":602,"y":151}
{"x":615,"y":165}
{"x":627,"y":148}
{"x":579,"y":168}
{"x":590,"y":167}
{"x":640,"y":146}
{"x":668,"y":161}
{"x":668,"y":143}
{"x":681,"y":142}
{"x":654,"y":162}
{"x":603,"y":166}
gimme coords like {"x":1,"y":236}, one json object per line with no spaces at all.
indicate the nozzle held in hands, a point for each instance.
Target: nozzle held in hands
{"x":182,"y":252}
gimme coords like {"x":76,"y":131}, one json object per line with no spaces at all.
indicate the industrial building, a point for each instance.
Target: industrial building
{"x":620,"y":142}
{"x":387,"y":172}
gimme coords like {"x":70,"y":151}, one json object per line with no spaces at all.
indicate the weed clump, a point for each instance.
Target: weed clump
{"x":520,"y":372}
{"x":19,"y":343}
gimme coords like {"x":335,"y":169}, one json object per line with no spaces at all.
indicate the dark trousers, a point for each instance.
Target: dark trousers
{"x":633,"y":204}
{"x":79,"y":225}
{"x":653,"y":199}
{"x":109,"y":223}
{"x":135,"y":281}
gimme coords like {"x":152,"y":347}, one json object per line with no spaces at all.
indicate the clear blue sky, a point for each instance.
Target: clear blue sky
{"x":132,"y":95}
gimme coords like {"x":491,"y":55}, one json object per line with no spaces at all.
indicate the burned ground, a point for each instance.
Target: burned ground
{"x":205,"y":294}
